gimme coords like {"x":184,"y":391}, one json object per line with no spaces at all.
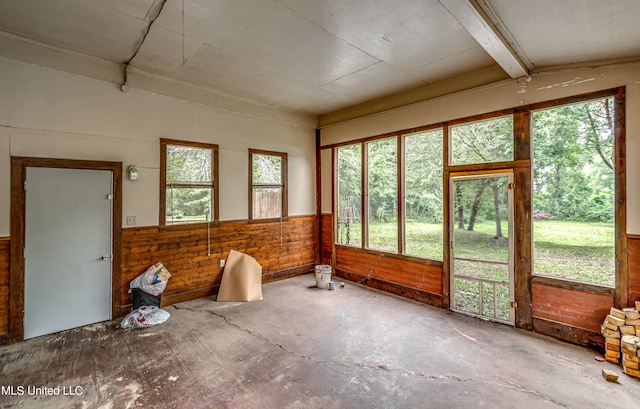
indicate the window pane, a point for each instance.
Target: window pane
{"x":186,"y":164}
{"x":423,"y":194}
{"x":574,"y":192}
{"x":267,"y":169}
{"x":383,"y":195}
{"x":185,"y":205}
{"x":350,"y":195}
{"x":267,"y":202}
{"x":482,"y":142}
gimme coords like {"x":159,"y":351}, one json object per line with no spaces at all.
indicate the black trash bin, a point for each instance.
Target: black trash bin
{"x":141,"y":298}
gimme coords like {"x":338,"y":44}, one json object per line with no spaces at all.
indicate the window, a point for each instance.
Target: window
{"x":350,"y":195}
{"x":377,"y":165}
{"x":482,"y":142}
{"x":423,"y":204}
{"x":188,"y":182}
{"x":382,"y":195}
{"x":568,"y":161}
{"x":267,"y":184}
{"x":574,"y":192}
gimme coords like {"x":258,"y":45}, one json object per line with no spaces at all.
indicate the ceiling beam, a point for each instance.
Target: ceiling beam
{"x":478,"y":23}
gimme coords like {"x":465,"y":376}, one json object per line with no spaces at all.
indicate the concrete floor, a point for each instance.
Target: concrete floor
{"x":308,"y":348}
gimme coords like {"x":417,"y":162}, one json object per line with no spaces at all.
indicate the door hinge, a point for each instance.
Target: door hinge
{"x":514,"y":304}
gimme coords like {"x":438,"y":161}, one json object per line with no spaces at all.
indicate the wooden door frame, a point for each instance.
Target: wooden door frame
{"x":16,"y":265}
{"x":473,"y":175}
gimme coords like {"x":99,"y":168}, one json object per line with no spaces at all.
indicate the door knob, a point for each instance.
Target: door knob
{"x":105,"y":257}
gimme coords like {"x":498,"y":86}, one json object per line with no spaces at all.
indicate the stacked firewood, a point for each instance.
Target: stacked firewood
{"x":621,"y":330}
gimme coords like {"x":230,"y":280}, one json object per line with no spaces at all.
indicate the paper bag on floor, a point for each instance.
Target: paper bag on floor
{"x":241,"y":280}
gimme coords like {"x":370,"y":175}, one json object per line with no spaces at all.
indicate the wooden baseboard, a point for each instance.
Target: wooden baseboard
{"x":287,"y":273}
{"x":393,"y":288}
{"x":569,"y":333}
{"x":213,"y":290}
{"x":4,"y":339}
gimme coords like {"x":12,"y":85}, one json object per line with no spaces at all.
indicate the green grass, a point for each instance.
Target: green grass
{"x":575,"y":250}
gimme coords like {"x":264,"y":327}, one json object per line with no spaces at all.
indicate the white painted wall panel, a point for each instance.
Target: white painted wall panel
{"x":50,"y":113}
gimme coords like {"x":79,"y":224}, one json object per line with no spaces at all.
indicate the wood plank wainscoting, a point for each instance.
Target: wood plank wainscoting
{"x":408,"y":277}
{"x":192,"y":254}
{"x":569,"y":314}
{"x":326,"y":238}
{"x":633,"y":269}
{"x":284,"y":250}
{"x":565,"y":310}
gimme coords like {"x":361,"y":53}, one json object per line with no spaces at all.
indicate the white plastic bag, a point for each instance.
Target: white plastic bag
{"x":144,"y":317}
{"x":153,"y":281}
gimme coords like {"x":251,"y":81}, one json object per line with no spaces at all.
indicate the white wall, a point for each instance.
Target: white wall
{"x":50,"y":113}
{"x":508,"y":94}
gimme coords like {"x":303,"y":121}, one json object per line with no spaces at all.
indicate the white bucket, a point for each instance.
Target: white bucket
{"x":323,"y":276}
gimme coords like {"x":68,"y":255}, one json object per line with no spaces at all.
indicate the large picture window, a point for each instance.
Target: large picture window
{"x":188,"y":175}
{"x":574,"y":192}
{"x":268,"y":184}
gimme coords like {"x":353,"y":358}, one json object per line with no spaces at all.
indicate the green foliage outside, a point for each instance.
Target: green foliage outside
{"x":382,"y":187}
{"x":349,"y":195}
{"x":574,"y":162}
{"x":189,"y":179}
{"x":574,"y":186}
{"x":573,"y":201}
{"x":266,"y":169}
{"x":483,"y":141}
{"x":423,"y":194}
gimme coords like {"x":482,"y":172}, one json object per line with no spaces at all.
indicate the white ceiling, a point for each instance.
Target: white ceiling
{"x":315,"y":56}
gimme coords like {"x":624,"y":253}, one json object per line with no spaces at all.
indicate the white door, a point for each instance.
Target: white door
{"x":67,"y":277}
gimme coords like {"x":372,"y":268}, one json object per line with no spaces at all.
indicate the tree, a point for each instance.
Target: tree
{"x":189,"y":177}
{"x":573,"y":161}
{"x":482,"y":142}
{"x":349,"y":193}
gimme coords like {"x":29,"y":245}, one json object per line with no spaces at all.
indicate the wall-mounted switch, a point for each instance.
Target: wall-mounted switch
{"x":131,"y":220}
{"x":222,"y":263}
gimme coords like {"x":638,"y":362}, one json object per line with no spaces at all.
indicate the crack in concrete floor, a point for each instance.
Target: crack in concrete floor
{"x":409,"y":373}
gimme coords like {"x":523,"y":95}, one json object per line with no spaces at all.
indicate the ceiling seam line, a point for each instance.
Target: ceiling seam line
{"x":144,"y":37}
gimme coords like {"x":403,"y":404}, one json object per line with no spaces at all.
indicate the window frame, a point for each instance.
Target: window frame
{"x":214,"y":148}
{"x":521,"y":164}
{"x":284,"y":175}
{"x":399,"y":136}
{"x":618,"y":97}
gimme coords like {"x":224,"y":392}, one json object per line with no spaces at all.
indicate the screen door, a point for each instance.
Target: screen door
{"x":482,"y":245}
